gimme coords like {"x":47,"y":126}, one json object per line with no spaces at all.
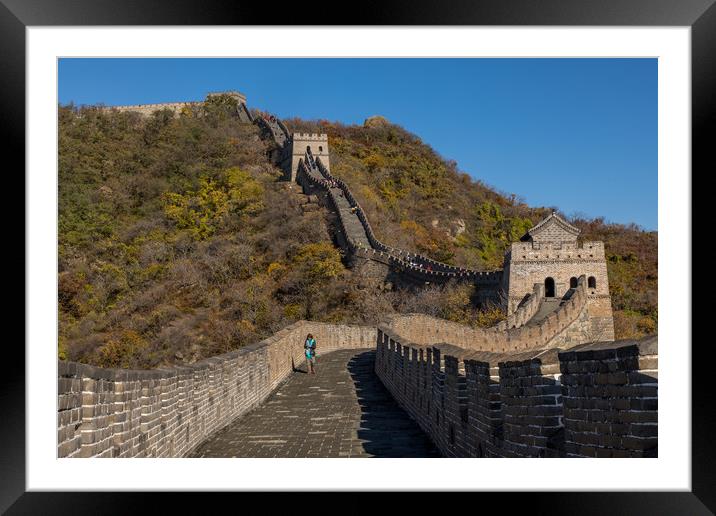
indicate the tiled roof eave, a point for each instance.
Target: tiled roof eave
{"x":559,"y":220}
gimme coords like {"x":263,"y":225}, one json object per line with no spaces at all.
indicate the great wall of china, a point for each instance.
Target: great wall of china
{"x":549,"y":381}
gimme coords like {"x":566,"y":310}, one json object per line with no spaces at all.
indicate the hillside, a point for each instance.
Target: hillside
{"x":418,"y":201}
{"x":178,"y":242}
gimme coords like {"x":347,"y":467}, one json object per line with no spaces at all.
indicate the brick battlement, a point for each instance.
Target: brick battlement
{"x":556,"y":251}
{"x":591,"y":400}
{"x":310,"y":137}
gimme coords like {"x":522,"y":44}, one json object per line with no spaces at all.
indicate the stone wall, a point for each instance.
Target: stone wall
{"x":568,"y":324}
{"x":611,"y":399}
{"x":148,"y":109}
{"x":592,"y":400}
{"x":419,"y":269}
{"x":177,"y":107}
{"x":601,"y":317}
{"x":166,"y":413}
{"x":312,"y":185}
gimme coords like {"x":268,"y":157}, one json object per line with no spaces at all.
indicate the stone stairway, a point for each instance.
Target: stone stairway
{"x":549,"y":305}
{"x":353,"y":225}
{"x":414,"y":267}
{"x":354,"y":228}
{"x":278,"y":133}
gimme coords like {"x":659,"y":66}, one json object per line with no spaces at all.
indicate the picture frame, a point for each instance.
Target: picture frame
{"x":17,"y":15}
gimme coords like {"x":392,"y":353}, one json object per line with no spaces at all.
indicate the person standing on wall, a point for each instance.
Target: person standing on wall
{"x":309,"y":347}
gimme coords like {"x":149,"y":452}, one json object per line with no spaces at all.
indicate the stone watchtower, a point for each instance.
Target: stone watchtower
{"x":300,"y":142}
{"x":549,"y":254}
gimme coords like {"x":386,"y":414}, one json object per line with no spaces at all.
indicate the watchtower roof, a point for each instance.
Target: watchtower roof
{"x":551,"y":226}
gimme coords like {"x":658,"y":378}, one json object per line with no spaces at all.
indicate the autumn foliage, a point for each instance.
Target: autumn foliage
{"x":177,"y":241}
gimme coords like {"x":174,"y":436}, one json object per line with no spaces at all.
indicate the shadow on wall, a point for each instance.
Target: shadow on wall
{"x":385,"y":429}
{"x":526,"y":390}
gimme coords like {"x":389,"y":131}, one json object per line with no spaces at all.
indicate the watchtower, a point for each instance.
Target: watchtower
{"x":550,"y":254}
{"x":300,"y":142}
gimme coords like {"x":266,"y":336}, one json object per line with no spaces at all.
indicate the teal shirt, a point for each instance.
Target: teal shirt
{"x":310,"y":347}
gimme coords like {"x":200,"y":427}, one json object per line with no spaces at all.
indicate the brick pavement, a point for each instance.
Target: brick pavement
{"x":343,"y":411}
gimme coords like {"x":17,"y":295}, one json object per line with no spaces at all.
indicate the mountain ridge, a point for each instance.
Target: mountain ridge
{"x":178,"y":242}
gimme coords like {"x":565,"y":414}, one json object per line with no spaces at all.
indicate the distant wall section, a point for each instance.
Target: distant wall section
{"x":178,"y":107}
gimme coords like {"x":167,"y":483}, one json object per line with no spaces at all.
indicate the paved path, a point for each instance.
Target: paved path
{"x":342,"y":411}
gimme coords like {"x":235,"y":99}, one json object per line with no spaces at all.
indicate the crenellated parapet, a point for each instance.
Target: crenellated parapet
{"x":590,"y":400}
{"x":526,"y":310}
{"x":526,"y":251}
{"x":311,"y":137}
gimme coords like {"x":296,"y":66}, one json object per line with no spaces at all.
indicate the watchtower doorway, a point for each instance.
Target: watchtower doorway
{"x":549,"y":287}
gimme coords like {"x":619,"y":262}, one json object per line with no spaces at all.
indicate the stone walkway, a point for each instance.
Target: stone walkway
{"x":353,"y":225}
{"x":342,"y":411}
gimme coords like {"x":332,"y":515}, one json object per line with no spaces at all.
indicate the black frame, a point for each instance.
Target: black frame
{"x":700,"y":15}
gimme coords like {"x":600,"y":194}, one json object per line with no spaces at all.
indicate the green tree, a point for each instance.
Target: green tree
{"x":492,"y":232}
{"x":316,"y":265}
{"x":219,"y":108}
{"x":202,"y":211}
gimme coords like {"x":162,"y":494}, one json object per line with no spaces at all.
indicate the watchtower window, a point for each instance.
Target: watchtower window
{"x":549,"y":287}
{"x":572,"y":282}
{"x":592,"y":282}
{"x":320,"y":148}
{"x":308,"y":148}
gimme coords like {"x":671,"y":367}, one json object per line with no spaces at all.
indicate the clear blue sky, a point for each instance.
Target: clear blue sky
{"x":580,"y":134}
